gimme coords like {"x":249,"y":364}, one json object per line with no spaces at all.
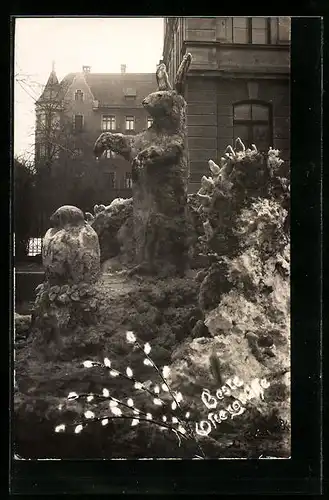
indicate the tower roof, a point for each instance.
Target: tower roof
{"x":52,"y":88}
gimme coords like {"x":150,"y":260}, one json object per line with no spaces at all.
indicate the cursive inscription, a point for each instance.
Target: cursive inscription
{"x":232,"y":387}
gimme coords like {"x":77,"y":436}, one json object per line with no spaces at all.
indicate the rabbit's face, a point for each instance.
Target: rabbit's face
{"x":164,"y":103}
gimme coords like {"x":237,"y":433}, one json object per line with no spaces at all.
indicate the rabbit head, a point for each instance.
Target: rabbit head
{"x":167,"y":104}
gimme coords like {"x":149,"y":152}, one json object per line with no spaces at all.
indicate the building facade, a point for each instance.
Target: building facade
{"x":71,"y":114}
{"x":237,"y":85}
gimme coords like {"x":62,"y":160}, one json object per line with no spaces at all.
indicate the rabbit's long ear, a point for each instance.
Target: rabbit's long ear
{"x":162,"y":78}
{"x":181,"y":74}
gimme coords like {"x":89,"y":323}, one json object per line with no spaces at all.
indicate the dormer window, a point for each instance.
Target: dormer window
{"x":78,"y":96}
{"x":130,"y":94}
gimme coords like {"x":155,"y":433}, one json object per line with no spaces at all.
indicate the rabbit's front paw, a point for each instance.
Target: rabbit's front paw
{"x":147,"y":156}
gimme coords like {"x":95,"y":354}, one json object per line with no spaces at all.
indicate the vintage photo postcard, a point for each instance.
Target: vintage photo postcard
{"x":152,"y":238}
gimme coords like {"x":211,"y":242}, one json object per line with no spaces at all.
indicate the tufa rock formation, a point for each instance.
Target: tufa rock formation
{"x":48,"y":368}
{"x":245,"y":296}
{"x":114,"y":226}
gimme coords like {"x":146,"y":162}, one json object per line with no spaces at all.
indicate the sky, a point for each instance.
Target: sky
{"x":104,"y":43}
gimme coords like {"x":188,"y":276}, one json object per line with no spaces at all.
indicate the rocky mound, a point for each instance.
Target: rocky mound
{"x":204,"y":370}
{"x":114,"y":227}
{"x":245,"y":298}
{"x":161,"y":313}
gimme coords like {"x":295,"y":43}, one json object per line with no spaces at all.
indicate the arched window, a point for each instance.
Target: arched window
{"x":252,"y":122}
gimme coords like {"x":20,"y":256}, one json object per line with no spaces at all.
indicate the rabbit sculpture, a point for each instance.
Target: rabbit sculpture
{"x":160,"y":176}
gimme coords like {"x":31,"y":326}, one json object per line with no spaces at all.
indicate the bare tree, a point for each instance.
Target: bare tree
{"x":63,"y":173}
{"x":24,"y":187}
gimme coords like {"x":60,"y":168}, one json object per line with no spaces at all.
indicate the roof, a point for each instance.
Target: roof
{"x":111,"y":88}
{"x":52,"y":87}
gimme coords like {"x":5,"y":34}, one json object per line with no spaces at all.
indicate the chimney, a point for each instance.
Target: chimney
{"x":123,"y":68}
{"x":86,"y":69}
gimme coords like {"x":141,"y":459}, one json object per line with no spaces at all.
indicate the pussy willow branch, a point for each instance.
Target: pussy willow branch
{"x":165,"y":404}
{"x":132,"y":379}
{"x":190,"y":430}
{"x":133,"y":416}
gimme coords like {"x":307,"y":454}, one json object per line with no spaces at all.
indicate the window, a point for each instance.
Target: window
{"x":78,"y":96}
{"x":41,"y":120}
{"x":42,"y":150}
{"x":55,"y":121}
{"x":260,"y":30}
{"x":254,"y":30}
{"x":253,"y":124}
{"x":35,"y":246}
{"x":111,"y":179}
{"x":108,"y":122}
{"x":49,"y":120}
{"x":128,"y":180}
{"x":130,"y":122}
{"x":240,"y":30}
{"x":78,"y":123}
{"x":283,"y":29}
{"x":110,"y":154}
{"x":47,"y":150}
{"x":130,"y":94}
{"x":149,"y":122}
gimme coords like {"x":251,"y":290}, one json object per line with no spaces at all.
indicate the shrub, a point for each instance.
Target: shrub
{"x":23,"y":205}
